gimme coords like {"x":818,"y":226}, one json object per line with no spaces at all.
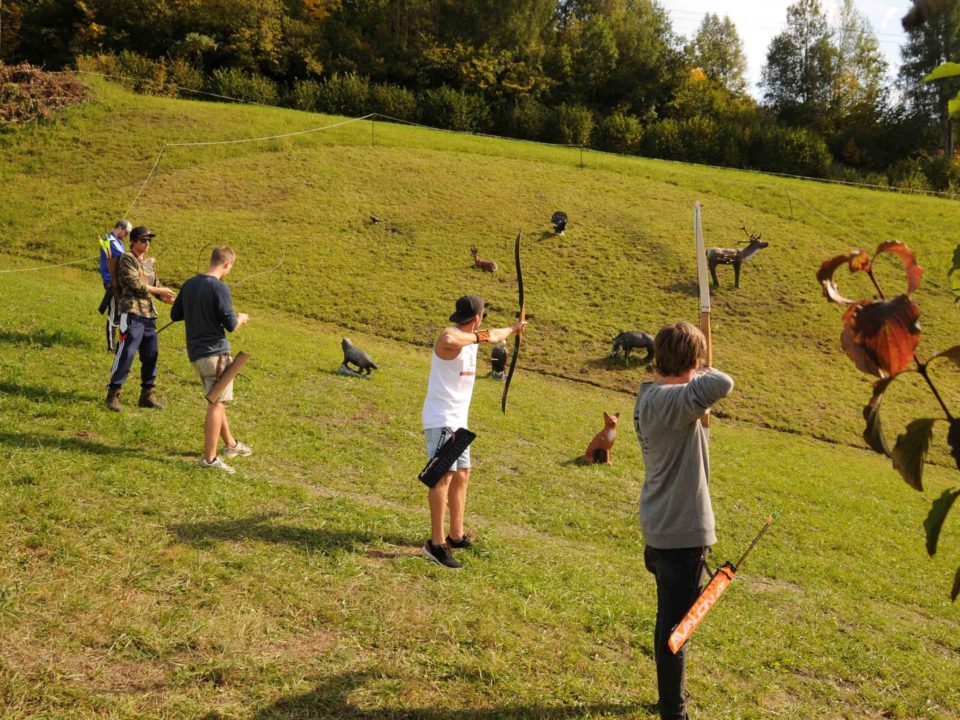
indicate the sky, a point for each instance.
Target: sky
{"x":758,"y":21}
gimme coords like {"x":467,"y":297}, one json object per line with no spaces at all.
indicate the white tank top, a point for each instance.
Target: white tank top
{"x":449,"y":390}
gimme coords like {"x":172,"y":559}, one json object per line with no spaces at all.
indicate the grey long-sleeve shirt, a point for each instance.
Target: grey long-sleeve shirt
{"x":675,"y":508}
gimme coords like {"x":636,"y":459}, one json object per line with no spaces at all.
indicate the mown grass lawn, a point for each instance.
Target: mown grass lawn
{"x":135,"y":584}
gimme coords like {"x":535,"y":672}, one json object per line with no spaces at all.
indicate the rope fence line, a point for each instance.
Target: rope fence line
{"x":49,"y":267}
{"x":849,"y":183}
{"x":854,"y":234}
{"x":373,"y":115}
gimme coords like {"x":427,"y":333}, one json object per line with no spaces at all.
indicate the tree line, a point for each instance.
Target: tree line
{"x":609,"y":74}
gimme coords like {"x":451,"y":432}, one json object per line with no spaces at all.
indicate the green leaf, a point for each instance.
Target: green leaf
{"x":956,"y":587}
{"x":949,"y":69}
{"x":934,"y":522}
{"x":873,"y":434}
{"x":911,"y":450}
{"x":953,"y":105}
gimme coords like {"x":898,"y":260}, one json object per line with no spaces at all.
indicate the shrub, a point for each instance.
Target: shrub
{"x":908,"y":174}
{"x":525,"y":118}
{"x":143,"y":74}
{"x":455,"y":109}
{"x":347,"y":94}
{"x":572,"y":124}
{"x":233,"y":83}
{"x":795,"y":151}
{"x":394,"y":101}
{"x":619,"y":132}
{"x":662,"y":140}
{"x":305,"y":95}
{"x":182,"y":74}
{"x":942,"y":173}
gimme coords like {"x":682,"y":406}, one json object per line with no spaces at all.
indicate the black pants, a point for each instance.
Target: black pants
{"x":680,"y":577}
{"x":137,"y":335}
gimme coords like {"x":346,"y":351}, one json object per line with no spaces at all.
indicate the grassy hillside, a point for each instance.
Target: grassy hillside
{"x":627,"y":262}
{"x":136,"y":585}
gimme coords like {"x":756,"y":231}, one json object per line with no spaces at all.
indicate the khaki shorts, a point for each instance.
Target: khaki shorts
{"x":210,"y":369}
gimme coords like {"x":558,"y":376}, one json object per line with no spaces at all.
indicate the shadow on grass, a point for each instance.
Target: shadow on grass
{"x":257,"y":528}
{"x":619,"y":362}
{"x":46,"y":338}
{"x":329,"y":700}
{"x":38,"y":392}
{"x":690,"y":288}
{"x":36,"y":441}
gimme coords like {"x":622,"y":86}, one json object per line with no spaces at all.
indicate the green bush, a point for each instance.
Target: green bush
{"x":942,"y":173}
{"x":662,"y":140}
{"x":524,"y":118}
{"x":908,"y":174}
{"x":144,"y":75}
{"x":394,"y":101}
{"x":455,"y":109}
{"x":233,"y":83}
{"x":572,"y":125}
{"x":347,"y":94}
{"x":182,"y":74}
{"x":619,"y":132}
{"x":305,"y":95}
{"x":794,"y":151}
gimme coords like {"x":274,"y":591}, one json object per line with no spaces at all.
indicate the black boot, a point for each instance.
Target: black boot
{"x":147,"y":400}
{"x":113,"y":399}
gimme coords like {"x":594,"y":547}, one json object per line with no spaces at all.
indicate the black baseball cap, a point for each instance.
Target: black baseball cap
{"x":141,"y":232}
{"x":468,"y":307}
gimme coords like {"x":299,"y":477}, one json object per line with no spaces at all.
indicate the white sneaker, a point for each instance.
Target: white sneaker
{"x":217,"y":464}
{"x":238,"y":450}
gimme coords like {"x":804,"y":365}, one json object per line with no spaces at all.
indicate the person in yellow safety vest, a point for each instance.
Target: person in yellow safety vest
{"x":111,"y":248}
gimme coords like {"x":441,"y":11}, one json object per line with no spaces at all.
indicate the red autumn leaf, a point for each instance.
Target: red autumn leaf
{"x":881,"y":334}
{"x":873,"y":433}
{"x":856,"y":260}
{"x":909,"y":260}
{"x":952,"y":354}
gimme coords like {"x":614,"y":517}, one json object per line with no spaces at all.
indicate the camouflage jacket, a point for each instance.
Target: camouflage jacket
{"x":135,"y":276}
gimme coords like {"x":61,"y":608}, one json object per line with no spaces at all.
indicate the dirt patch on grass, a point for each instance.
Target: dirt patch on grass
{"x":28,"y":94}
{"x":302,"y":647}
{"x":771,"y":585}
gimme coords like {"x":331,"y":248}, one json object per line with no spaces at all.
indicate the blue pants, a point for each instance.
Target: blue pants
{"x":680,"y":577}
{"x":136,"y":334}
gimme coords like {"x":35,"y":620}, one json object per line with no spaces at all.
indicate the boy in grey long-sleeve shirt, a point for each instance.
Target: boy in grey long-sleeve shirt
{"x":675,"y":511}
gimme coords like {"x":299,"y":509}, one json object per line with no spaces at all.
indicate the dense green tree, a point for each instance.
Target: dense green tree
{"x":717,"y":50}
{"x":801,"y":61}
{"x":927,"y":47}
{"x":860,"y":72}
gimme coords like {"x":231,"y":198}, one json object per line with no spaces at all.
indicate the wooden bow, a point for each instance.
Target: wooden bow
{"x":704,"y":280}
{"x":522,"y":315}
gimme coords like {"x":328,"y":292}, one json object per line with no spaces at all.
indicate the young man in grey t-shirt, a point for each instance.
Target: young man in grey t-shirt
{"x":675,"y":511}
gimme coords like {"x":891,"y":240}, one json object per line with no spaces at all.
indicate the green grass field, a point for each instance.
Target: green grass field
{"x":134,"y":584}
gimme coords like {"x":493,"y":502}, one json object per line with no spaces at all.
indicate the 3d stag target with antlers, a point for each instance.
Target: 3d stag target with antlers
{"x":733,"y":256}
